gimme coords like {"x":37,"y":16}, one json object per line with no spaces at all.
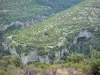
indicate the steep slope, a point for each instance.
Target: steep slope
{"x":59,"y":5}
{"x":31,"y":10}
{"x":52,"y":31}
{"x":18,"y":10}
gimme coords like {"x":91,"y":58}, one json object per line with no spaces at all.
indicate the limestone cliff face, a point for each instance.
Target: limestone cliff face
{"x":23,"y":24}
{"x":81,"y":43}
{"x":82,"y":34}
{"x":31,"y":55}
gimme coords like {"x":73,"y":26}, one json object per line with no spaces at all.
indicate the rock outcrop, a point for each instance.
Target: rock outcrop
{"x":82,"y":34}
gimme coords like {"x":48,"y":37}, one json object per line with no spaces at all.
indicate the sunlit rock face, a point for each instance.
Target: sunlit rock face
{"x":60,"y":54}
{"x":29,"y":57}
{"x":83,"y":34}
{"x":24,"y":59}
{"x":7,"y":47}
{"x":4,"y":46}
{"x":81,"y":42}
{"x":21,"y":24}
{"x":12,"y":51}
{"x":32,"y":57}
{"x":44,"y":60}
{"x":3,"y":27}
{"x":57,"y":54}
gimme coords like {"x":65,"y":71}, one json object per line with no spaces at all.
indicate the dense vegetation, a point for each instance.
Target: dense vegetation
{"x":76,"y":62}
{"x":51,"y":31}
{"x":22,"y":10}
{"x":48,"y":38}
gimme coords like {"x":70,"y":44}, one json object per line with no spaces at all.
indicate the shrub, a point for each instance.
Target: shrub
{"x":76,"y":57}
{"x":2,"y":63}
{"x":16,"y":61}
{"x":3,"y":73}
{"x":59,"y":61}
{"x":52,"y":56}
{"x":40,"y":65}
{"x":12,"y":59}
{"x":95,"y":54}
{"x":6,"y":59}
{"x":95,"y":66}
{"x":12,"y":70}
